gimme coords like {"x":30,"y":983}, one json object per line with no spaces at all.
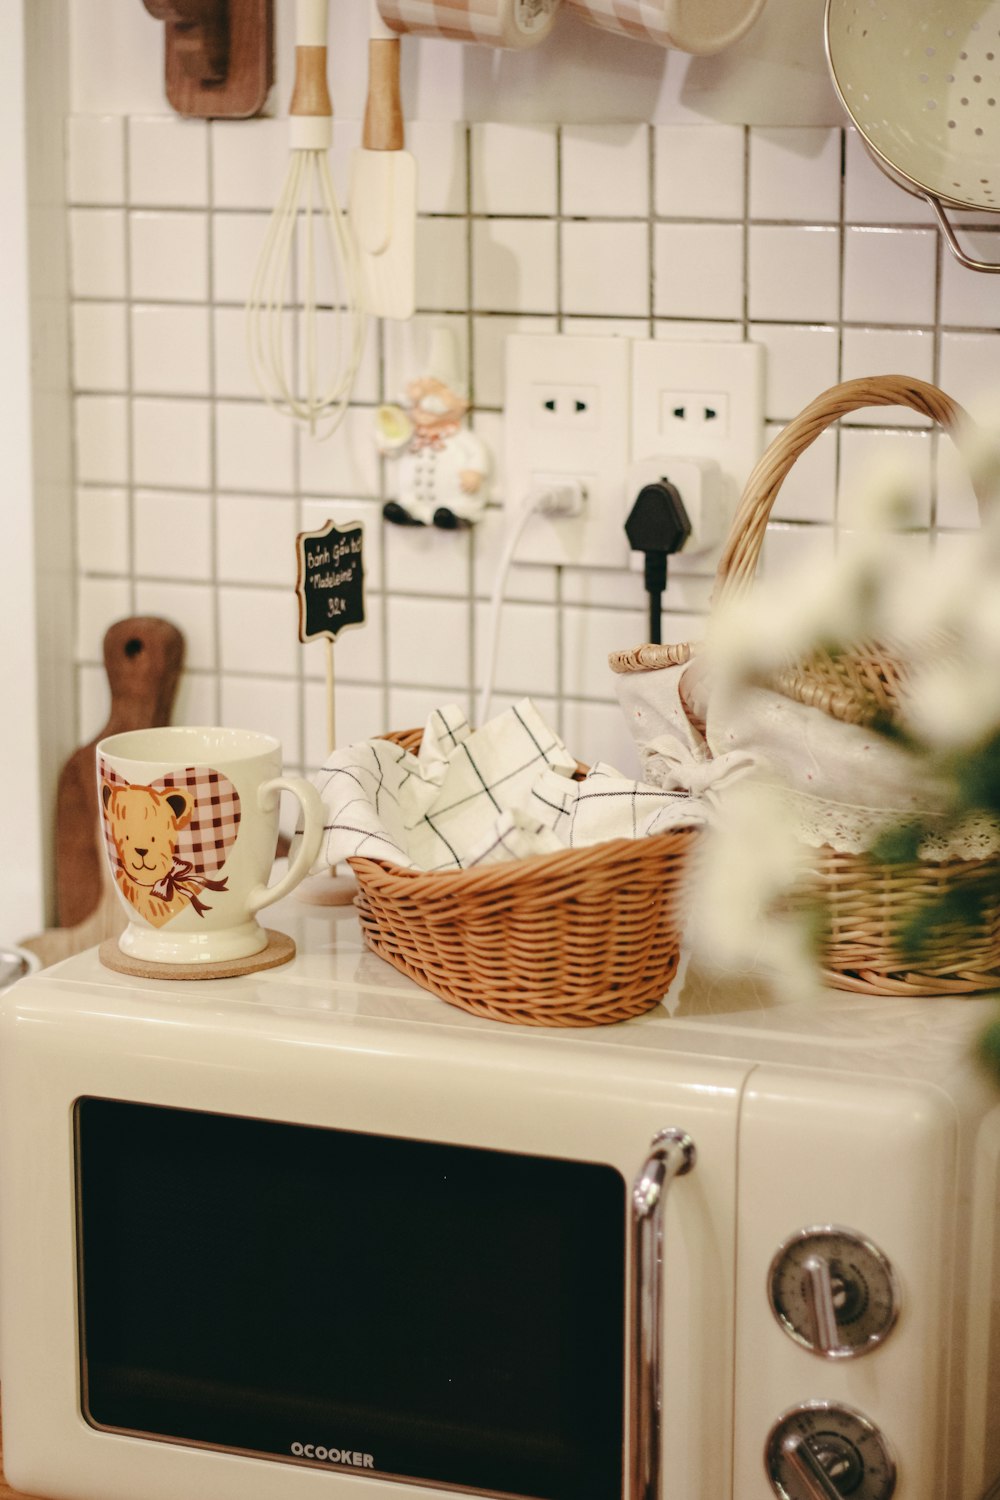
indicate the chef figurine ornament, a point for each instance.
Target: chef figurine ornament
{"x":443,"y":465}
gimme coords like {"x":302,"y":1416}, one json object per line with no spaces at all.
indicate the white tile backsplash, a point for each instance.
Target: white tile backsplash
{"x":190,"y":490}
{"x":167,"y":162}
{"x":169,"y":256}
{"x":698,"y":271}
{"x":605,"y":171}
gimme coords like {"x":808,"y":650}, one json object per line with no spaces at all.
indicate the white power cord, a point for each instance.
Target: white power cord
{"x":560,"y":498}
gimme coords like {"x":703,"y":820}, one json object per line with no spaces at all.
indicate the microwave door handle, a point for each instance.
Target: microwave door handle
{"x":817,"y":1482}
{"x":672,"y":1154}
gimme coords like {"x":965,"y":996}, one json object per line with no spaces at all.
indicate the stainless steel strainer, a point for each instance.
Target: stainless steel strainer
{"x":921,"y":81}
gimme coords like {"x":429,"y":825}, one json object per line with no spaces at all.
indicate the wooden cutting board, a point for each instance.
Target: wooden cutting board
{"x":143,"y":657}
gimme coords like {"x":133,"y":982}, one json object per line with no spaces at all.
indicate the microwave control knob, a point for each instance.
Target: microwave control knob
{"x":822,"y":1451}
{"x":833,"y":1292}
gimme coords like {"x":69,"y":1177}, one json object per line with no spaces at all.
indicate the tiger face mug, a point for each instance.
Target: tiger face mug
{"x":190,"y":821}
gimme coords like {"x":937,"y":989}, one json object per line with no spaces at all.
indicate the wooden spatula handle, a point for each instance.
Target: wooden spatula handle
{"x":383,"y":127}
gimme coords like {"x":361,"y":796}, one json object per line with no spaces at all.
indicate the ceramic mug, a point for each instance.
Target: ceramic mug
{"x":190,"y":820}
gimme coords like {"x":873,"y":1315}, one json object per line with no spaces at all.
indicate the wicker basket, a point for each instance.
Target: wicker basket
{"x":867,"y":905}
{"x":582,"y":937}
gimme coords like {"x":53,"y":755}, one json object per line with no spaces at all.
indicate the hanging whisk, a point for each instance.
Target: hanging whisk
{"x":308,"y":240}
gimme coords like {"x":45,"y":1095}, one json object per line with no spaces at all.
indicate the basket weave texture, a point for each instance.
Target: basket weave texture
{"x":868,"y":906}
{"x":582,"y":937}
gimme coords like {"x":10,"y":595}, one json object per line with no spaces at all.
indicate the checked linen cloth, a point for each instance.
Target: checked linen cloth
{"x":472,"y":797}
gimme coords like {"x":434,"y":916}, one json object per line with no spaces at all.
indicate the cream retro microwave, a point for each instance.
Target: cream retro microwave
{"x":315,"y":1235}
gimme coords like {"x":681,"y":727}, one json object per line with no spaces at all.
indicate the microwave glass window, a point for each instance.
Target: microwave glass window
{"x":430,"y":1312}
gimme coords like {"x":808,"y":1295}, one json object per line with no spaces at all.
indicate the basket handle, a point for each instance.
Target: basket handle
{"x":738,"y":562}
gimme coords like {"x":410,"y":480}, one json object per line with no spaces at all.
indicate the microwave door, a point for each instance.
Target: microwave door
{"x":441,"y":1314}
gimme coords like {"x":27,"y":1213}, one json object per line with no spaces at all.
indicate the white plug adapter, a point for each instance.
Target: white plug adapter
{"x":700,"y":484}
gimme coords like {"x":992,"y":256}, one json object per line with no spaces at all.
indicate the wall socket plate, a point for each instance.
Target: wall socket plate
{"x":699,"y":400}
{"x":566,"y":414}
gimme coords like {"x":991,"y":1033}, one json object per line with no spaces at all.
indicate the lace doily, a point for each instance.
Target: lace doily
{"x":852,"y":829}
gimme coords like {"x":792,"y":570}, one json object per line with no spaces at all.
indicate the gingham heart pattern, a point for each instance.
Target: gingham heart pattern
{"x":497,"y":23}
{"x":206,"y":840}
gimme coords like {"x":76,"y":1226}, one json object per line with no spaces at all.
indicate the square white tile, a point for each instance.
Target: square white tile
{"x":809,"y":491}
{"x":171,"y":440}
{"x":408,"y":708}
{"x":605,"y":268}
{"x":589,"y":635}
{"x":698,"y":271}
{"x":237,"y":242}
{"x":95,"y":166}
{"x":598,"y":732}
{"x":970,"y":298}
{"x":167,"y":161}
{"x":514,"y":265}
{"x":97,"y":252}
{"x":489,"y":336}
{"x":889,"y":275}
{"x":790,"y":551}
{"x":530,"y":582}
{"x":189,"y":606}
{"x":439,"y":147}
{"x":425,"y":559}
{"x":100,"y":346}
{"x":513,"y":169}
{"x":170,"y":349}
{"x":870,"y":197}
{"x":794,"y":273}
{"x":197,"y":700}
{"x":314,"y":515}
{"x":100,"y":602}
{"x":169,"y":256}
{"x":527,"y":648}
{"x":359,"y":714}
{"x":428,"y":646}
{"x":269,"y":707}
{"x":888,"y":351}
{"x":699,"y":171}
{"x":102,"y":531}
{"x":173,"y":535}
{"x":346,"y":463}
{"x":801,"y":361}
{"x":605,"y":171}
{"x":93,"y":702}
{"x":864,"y":456}
{"x":256,"y":540}
{"x":233,"y":374}
{"x":795,"y":174}
{"x":441,"y":263}
{"x":255,"y":447}
{"x":250,"y":161}
{"x":970,"y":372}
{"x":102,"y":452}
{"x":258,"y":630}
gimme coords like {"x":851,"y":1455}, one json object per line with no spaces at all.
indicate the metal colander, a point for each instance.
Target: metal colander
{"x":921,"y":81}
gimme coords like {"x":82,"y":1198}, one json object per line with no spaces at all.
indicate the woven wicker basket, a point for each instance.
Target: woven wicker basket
{"x":867,"y":905}
{"x":582,"y":937}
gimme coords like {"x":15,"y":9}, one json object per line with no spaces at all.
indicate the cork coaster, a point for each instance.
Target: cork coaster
{"x":280,"y":949}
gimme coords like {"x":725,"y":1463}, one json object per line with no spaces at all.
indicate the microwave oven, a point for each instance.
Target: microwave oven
{"x":313,"y":1234}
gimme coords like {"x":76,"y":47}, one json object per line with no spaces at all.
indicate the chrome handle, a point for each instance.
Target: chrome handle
{"x":672,"y":1154}
{"x":819,"y":1293}
{"x":801,"y":1458}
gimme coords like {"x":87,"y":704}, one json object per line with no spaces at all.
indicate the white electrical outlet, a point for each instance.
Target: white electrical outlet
{"x":566,"y":415}
{"x":698,"y":401}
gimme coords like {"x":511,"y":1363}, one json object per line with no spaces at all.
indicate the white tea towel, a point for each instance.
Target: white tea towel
{"x":505,"y":791}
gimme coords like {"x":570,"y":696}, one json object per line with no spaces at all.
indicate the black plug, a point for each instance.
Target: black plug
{"x":657,"y":525}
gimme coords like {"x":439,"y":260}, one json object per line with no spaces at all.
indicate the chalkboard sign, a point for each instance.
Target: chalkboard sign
{"x":331,"y":581}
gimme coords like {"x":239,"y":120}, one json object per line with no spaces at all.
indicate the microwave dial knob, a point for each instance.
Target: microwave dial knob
{"x":822,"y":1451}
{"x":833,"y":1292}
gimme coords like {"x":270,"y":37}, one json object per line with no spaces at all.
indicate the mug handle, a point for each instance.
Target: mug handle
{"x":313,"y":816}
